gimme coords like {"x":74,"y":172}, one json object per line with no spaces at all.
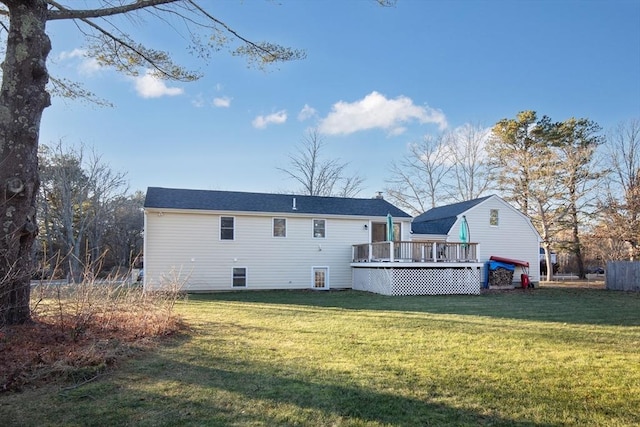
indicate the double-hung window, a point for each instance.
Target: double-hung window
{"x":239,"y":279}
{"x":226,"y":227}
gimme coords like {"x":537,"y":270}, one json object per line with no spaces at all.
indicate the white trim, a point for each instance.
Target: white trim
{"x":326,"y":276}
{"x":273,"y":227}
{"x":313,"y":235}
{"x":293,"y":214}
{"x":220,"y":228}
{"x":246,"y":277}
{"x":497,"y":224}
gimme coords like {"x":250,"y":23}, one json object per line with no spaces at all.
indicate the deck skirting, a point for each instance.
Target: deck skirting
{"x":410,"y":279}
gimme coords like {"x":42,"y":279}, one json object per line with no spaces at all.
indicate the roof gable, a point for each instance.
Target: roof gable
{"x":440,"y":220}
{"x":233,"y":201}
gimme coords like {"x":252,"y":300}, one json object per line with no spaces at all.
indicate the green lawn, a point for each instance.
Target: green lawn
{"x":546,"y":357}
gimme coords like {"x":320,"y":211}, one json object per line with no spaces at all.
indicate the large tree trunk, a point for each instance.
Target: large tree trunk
{"x":23,"y":98}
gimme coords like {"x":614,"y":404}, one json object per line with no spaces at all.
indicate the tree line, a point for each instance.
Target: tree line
{"x":89,"y":225}
{"x":579,"y":186}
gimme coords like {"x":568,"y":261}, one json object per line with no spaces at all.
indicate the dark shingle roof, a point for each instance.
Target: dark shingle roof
{"x":440,"y":220}
{"x":171,"y":198}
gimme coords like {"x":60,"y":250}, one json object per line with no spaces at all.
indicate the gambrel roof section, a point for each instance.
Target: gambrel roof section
{"x":233,"y":201}
{"x":440,"y":220}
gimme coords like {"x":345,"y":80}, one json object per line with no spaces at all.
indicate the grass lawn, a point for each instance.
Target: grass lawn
{"x":547,"y":357}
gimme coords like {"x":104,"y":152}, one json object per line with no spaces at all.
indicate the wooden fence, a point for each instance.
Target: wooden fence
{"x":623,"y":275}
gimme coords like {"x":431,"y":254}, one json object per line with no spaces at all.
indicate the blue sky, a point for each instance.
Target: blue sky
{"x":375,"y":79}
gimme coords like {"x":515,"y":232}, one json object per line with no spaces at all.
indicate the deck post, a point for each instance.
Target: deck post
{"x":370,"y":252}
{"x":391,"y":252}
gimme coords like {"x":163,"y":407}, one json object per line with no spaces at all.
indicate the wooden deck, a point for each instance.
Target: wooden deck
{"x":415,"y":252}
{"x":417,"y":268}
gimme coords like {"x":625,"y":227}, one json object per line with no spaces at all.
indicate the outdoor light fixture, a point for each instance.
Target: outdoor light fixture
{"x":366,"y":227}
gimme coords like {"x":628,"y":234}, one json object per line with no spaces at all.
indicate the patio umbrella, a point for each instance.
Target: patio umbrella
{"x":464,"y":231}
{"x":389,"y":228}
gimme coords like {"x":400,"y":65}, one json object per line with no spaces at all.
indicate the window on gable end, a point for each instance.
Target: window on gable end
{"x":494,"y":219}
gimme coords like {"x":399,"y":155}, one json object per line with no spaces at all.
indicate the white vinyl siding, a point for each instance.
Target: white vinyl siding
{"x":187,"y":245}
{"x":514,"y":237}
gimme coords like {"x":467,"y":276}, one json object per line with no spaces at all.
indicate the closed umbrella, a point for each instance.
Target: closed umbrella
{"x":389,"y":228}
{"x":464,"y":231}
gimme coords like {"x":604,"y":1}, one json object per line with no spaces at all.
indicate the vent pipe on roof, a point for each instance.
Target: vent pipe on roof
{"x":294,"y":205}
{"x":379,"y":195}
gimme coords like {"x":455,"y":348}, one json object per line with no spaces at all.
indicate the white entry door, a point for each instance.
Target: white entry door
{"x":320,"y":278}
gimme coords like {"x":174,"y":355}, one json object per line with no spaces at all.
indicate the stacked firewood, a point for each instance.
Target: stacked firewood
{"x":500,"y":277}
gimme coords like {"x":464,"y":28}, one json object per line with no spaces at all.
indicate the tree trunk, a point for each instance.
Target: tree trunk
{"x":23,"y":98}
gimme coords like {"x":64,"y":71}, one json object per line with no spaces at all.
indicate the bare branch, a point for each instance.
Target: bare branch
{"x":320,"y":177}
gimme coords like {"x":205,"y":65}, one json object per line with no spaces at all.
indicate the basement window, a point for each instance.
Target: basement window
{"x":239,"y":277}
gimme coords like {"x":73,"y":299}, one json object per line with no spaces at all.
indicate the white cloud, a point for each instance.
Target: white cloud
{"x":87,"y":66}
{"x":198,"y":101}
{"x":262,"y":122}
{"x":376,"y":111}
{"x":306,"y":113}
{"x":224,"y":102}
{"x":148,"y":86}
{"x":75,"y":53}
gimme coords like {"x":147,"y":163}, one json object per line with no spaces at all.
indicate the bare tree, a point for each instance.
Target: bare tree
{"x":467,"y":146}
{"x":419,"y":181}
{"x":622,"y":204}
{"x":318,"y":176}
{"x":78,"y":191}
{"x":122,"y":238}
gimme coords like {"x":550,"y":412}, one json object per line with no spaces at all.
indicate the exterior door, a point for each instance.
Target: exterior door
{"x":320,"y":277}
{"x":379,"y":232}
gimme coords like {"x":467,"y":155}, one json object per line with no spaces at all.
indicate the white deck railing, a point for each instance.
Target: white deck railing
{"x":425,"y":251}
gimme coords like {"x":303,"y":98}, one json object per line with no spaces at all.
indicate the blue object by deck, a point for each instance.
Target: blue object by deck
{"x":492,"y":266}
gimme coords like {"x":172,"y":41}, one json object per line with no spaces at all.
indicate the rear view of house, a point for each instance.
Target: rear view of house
{"x":224,"y":240}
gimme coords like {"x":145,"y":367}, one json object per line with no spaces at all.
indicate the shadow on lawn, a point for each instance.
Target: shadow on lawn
{"x":565,"y":305}
{"x":251,"y":395}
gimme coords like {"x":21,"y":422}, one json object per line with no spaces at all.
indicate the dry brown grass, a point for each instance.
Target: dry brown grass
{"x":80,"y":331}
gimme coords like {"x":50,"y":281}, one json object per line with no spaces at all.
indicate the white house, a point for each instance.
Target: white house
{"x":500,"y":230}
{"x":223,"y":240}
